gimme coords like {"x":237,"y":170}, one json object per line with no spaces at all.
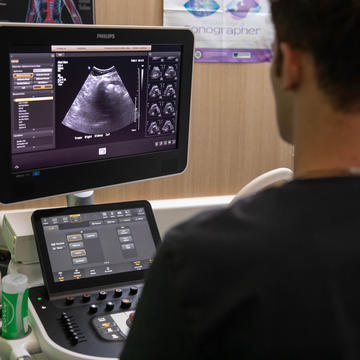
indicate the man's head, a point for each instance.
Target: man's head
{"x":321,"y":34}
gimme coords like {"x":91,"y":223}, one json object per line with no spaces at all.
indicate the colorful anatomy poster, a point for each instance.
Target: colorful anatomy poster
{"x":225,"y":30}
{"x":48,"y":11}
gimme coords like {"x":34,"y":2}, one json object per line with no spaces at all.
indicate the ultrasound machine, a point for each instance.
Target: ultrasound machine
{"x":85,"y":107}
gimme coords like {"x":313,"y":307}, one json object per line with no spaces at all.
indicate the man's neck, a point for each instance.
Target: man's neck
{"x":327,"y":144}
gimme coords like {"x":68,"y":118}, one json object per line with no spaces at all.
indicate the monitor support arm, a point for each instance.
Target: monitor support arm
{"x":80,"y":199}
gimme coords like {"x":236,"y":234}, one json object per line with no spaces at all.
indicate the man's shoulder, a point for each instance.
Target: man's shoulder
{"x":248,"y":218}
{"x":268,"y":218}
{"x":216,"y":248}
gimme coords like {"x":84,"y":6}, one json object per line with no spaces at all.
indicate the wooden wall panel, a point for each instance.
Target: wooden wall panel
{"x":233,"y":129}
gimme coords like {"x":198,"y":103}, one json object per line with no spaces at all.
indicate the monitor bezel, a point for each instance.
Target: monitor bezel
{"x":57,"y":288}
{"x":94,"y":174}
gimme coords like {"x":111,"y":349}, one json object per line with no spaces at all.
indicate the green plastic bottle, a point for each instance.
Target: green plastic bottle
{"x":14,"y":306}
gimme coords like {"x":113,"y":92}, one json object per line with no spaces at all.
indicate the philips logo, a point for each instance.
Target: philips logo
{"x":105,"y":36}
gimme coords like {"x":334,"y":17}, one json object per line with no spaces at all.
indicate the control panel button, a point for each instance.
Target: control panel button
{"x":121,"y":321}
{"x":109,"y":306}
{"x":125,"y":303}
{"x":93,"y":309}
{"x":102,"y":295}
{"x":133,"y":290}
{"x":117,"y":292}
{"x":107,"y":328}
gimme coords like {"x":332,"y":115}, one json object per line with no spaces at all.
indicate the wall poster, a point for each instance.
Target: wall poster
{"x":48,"y":11}
{"x":225,"y":30}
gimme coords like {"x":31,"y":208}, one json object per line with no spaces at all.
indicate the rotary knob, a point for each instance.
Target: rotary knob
{"x":125,"y":303}
{"x":133,"y":290}
{"x":102,"y":295}
{"x":117,"y":292}
{"x":93,"y":309}
{"x":109,"y":306}
{"x":86,"y":297}
{"x":69,"y":300}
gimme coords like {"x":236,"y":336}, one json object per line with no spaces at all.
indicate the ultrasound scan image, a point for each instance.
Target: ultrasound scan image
{"x":155,"y":92}
{"x":169,"y":91}
{"x":103,"y":104}
{"x":169,"y":109}
{"x":153,"y":128}
{"x":155,"y":73}
{"x":154,"y":110}
{"x":168,"y":126}
{"x":170,"y":72}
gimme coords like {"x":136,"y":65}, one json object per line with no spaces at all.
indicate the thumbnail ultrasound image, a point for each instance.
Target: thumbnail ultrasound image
{"x":102,"y":105}
{"x":155,"y":92}
{"x":170,"y":91}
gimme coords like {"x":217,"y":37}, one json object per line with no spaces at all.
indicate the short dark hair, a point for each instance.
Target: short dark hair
{"x":329,"y":30}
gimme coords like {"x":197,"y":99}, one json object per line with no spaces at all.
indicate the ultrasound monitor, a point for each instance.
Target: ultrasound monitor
{"x":91,"y":106}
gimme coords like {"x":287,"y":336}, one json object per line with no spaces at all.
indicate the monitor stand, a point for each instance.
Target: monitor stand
{"x":80,"y":199}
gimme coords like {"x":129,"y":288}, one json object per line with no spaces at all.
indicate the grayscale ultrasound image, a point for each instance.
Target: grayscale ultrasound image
{"x":155,"y":92}
{"x":168,"y":126}
{"x":169,"y":91}
{"x":155,"y":73}
{"x":169,"y":109}
{"x":103,"y":104}
{"x":154,"y":110}
{"x":170,"y":72}
{"x":153,"y":129}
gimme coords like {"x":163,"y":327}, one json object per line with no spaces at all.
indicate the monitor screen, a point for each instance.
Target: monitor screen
{"x":83,"y":103}
{"x":81,"y":246}
{"x":92,"y":106}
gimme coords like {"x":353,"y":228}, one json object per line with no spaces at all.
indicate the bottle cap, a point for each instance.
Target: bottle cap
{"x":14,"y":283}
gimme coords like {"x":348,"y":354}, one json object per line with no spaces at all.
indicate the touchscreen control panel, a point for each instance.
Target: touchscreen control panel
{"x":98,"y":243}
{"x":93,"y":260}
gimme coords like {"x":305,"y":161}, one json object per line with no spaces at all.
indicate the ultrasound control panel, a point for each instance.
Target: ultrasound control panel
{"x":93,"y":323}
{"x":84,"y":306}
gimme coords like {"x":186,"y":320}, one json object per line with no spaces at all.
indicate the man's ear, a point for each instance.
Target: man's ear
{"x":291,"y":67}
